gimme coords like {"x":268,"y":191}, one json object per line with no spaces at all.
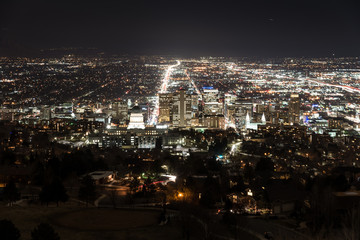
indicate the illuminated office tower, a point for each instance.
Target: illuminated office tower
{"x":195,"y":103}
{"x":46,"y":113}
{"x":120,"y":111}
{"x":294,"y":109}
{"x":230,"y":98}
{"x":181,"y":109}
{"x":212,"y":105}
{"x":210,"y":95}
{"x":165,"y":105}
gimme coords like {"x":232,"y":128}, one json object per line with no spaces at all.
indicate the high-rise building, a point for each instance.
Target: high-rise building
{"x":46,"y":113}
{"x":165,"y":106}
{"x":210,"y":95}
{"x":212,"y":104}
{"x":181,"y":109}
{"x":230,"y":98}
{"x":294,"y":109}
{"x":195,"y":103}
{"x":120,"y":111}
{"x":214,"y":121}
{"x":213,"y":108}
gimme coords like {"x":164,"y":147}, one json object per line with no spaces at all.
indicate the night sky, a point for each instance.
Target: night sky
{"x":185,"y":28}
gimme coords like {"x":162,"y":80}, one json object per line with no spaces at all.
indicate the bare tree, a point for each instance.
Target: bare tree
{"x":351,"y":224}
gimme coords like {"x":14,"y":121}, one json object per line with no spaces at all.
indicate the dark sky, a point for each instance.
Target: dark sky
{"x":230,"y":28}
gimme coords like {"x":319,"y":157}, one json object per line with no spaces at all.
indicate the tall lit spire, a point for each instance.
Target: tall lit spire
{"x":263,"y":119}
{"x":247,"y":122}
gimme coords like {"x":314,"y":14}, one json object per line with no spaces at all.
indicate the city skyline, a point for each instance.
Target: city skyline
{"x":182,"y":120}
{"x":127,"y":144}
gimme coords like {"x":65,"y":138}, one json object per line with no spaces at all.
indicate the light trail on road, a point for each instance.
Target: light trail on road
{"x":165,"y":80}
{"x":346,"y":88}
{"x":163,"y":89}
{"x":312,"y":80}
{"x":194,"y":85}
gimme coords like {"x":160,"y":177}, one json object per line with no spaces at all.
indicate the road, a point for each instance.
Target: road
{"x":121,"y":190}
{"x":163,"y":89}
{"x":311,"y":80}
{"x":260,"y":226}
{"x":165,"y":80}
{"x":344,"y":87}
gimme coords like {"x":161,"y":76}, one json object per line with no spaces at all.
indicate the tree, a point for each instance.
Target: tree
{"x":8,"y":231}
{"x":134,"y":185}
{"x":41,"y":140}
{"x":87,"y":190}
{"x":213,"y":165}
{"x":219,"y":145}
{"x":77,"y":161}
{"x":155,"y":168}
{"x":340,"y":183}
{"x":44,"y":232}
{"x":7,"y":158}
{"x":240,"y":185}
{"x":55,"y":192}
{"x":351,"y":222}
{"x":11,"y":193}
{"x":211,"y":192}
{"x":207,"y":199}
{"x":264,"y":164}
{"x":264,"y":168}
{"x":38,"y":173}
{"x":53,"y":168}
{"x":195,"y":165}
{"x":249,"y":173}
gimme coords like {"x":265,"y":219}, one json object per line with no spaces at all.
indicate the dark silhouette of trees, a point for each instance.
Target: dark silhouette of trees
{"x":340,"y":183}
{"x":99,"y":164}
{"x":44,"y":232}
{"x":76,"y":163}
{"x":41,"y":140}
{"x":240,"y":185}
{"x":195,"y":165}
{"x":11,"y":193}
{"x":156,"y":169}
{"x":264,"y":164}
{"x":7,"y":158}
{"x":54,"y":164}
{"x":219,"y":145}
{"x":79,"y":162}
{"x":8,"y":231}
{"x":38,"y":173}
{"x":54,"y":192}
{"x":322,"y":209}
{"x":87,"y":190}
{"x":249,"y":173}
{"x":350,"y":224}
{"x":211,"y":192}
{"x":213,"y":165}
{"x":264,"y":168}
{"x":207,"y":199}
